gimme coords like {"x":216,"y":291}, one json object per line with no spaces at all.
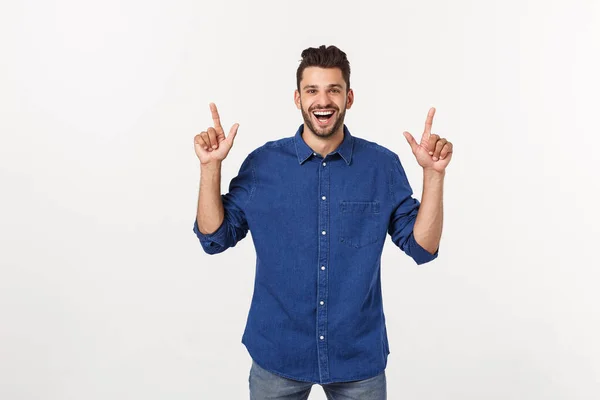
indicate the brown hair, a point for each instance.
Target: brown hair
{"x":324,"y":57}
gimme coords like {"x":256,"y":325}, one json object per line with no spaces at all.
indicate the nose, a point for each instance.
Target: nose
{"x":323,"y":100}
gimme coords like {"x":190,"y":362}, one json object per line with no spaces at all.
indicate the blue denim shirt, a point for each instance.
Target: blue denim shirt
{"x":318,"y":225}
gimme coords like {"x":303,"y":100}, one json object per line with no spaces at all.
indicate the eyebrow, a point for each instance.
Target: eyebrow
{"x":316,"y":87}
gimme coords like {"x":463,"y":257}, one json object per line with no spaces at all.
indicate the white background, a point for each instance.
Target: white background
{"x":105,"y":291}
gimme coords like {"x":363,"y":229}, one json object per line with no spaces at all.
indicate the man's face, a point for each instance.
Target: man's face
{"x":323,"y":100}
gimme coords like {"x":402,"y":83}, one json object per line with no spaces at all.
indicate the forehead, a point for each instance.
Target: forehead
{"x":322,"y":76}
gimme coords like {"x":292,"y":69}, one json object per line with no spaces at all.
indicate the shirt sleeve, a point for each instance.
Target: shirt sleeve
{"x":235,"y":225}
{"x":404,"y":215}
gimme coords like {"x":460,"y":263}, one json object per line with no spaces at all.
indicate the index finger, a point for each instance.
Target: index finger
{"x":215,"y":116}
{"x":429,"y":121}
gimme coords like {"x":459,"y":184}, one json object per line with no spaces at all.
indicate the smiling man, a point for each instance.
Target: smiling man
{"x":320,"y":205}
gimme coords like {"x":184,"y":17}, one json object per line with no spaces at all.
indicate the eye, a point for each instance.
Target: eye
{"x":311,"y":91}
{"x":335,"y":90}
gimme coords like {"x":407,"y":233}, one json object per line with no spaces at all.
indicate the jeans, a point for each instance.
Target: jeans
{"x":265,"y":385}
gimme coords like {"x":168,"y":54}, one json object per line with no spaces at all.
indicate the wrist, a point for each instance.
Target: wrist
{"x":431,"y":175}
{"x":212,"y":167}
{"x":214,"y":164}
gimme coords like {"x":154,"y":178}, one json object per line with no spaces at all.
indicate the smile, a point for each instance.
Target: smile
{"x":323,"y":116}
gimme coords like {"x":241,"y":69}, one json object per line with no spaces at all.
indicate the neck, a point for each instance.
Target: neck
{"x":323,"y":145}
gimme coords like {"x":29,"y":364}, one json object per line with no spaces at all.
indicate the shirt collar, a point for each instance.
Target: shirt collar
{"x":304,"y":151}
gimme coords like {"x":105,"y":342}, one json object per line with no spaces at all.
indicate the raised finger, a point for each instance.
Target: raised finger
{"x":446,"y":150}
{"x":428,"y":124}
{"x":215,"y":117}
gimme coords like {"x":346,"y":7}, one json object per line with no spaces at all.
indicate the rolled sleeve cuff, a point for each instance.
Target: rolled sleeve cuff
{"x":210,"y":240}
{"x":418,"y":253}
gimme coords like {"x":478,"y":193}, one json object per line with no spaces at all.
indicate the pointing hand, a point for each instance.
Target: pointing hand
{"x":433,"y":152}
{"x":212,"y":145}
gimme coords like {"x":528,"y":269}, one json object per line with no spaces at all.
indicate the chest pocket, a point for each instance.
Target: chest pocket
{"x":358,"y":223}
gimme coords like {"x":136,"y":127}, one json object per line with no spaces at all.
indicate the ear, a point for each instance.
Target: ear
{"x":350,"y":99}
{"x":297,"y":99}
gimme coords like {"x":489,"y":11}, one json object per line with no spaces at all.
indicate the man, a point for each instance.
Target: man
{"x":319,"y":204}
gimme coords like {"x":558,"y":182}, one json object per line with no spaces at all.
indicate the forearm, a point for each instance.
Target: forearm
{"x":210,"y":212}
{"x":428,"y":225}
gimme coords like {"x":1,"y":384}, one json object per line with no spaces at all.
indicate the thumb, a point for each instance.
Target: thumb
{"x":233,"y":132}
{"x":411,"y":140}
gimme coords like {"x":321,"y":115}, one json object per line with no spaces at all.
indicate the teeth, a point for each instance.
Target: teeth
{"x":324,"y":113}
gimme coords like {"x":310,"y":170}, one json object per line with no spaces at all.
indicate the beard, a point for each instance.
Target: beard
{"x":324,"y":132}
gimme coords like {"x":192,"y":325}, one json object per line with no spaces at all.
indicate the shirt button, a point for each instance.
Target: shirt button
{"x":323,"y":197}
{"x":323,"y":267}
{"x":321,"y":302}
{"x":321,"y":337}
{"x":324,"y":164}
{"x":322,"y":233}
{"x":314,"y":154}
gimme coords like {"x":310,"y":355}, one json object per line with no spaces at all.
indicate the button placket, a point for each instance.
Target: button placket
{"x":322,"y":276}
